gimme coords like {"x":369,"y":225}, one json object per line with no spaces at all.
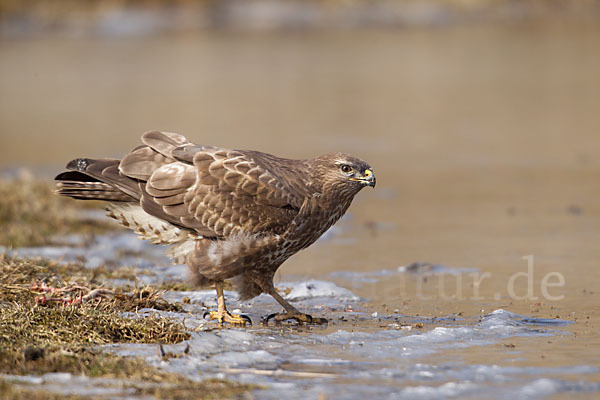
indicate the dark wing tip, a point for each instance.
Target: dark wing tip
{"x":74,"y":176}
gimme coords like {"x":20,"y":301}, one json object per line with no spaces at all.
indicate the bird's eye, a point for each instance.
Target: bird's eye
{"x":346,"y":169}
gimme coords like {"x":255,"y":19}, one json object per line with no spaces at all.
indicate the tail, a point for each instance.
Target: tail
{"x":88,"y":179}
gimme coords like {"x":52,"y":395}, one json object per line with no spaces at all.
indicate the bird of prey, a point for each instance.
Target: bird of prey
{"x":227,"y":214}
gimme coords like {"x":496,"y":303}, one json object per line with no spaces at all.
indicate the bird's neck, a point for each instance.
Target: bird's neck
{"x":334,"y":201}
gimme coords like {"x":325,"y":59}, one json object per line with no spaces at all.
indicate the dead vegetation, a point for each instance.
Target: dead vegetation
{"x":38,"y":336}
{"x":143,"y":378}
{"x":28,"y":318}
{"x":32,"y":215}
{"x":15,"y":392}
{"x":28,"y":322}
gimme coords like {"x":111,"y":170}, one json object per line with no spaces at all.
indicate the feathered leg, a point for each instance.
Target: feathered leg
{"x":222,"y":315}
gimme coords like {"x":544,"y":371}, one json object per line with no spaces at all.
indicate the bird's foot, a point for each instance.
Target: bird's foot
{"x":226,"y":316}
{"x":300,"y":318}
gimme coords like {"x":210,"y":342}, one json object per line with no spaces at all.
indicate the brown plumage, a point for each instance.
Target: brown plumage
{"x":228,"y":214}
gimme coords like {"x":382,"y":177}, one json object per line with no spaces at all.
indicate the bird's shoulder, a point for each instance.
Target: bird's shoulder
{"x":216,"y":191}
{"x":252,"y":175}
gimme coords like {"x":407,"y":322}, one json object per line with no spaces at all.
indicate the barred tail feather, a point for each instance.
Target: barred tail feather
{"x":89,"y":179}
{"x":91,"y":191}
{"x":89,"y":185}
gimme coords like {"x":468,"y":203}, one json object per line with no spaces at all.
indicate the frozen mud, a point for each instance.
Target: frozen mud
{"x":358,"y":354}
{"x":352,"y":360}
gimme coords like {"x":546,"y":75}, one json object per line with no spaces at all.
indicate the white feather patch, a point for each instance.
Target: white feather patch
{"x":179,"y":251}
{"x":154,"y":229}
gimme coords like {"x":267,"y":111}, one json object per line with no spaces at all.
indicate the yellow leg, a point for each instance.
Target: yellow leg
{"x":222,"y":315}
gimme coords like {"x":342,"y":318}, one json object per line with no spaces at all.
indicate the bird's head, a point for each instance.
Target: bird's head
{"x":344,"y":173}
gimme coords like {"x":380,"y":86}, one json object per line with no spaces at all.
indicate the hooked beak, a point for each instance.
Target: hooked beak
{"x":368,"y":179}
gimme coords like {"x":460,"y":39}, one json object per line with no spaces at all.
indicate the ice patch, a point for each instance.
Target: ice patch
{"x":256,"y":359}
{"x":544,"y":387}
{"x":118,"y":249}
{"x":342,"y":360}
{"x":112,"y":250}
{"x":318,"y":298}
{"x":345,"y":362}
{"x":312,"y":289}
{"x":74,"y":385}
{"x":447,"y":390}
{"x":392,"y":343}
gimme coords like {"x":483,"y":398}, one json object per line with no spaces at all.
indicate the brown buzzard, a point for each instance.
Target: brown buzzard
{"x":227,"y":214}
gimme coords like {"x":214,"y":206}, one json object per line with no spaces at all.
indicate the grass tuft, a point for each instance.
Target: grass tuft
{"x":43,"y":337}
{"x":31,"y":214}
{"x":25,"y":321}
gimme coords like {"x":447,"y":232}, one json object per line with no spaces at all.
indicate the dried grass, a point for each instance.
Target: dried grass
{"x":31,"y":214}
{"x":26,"y":322}
{"x":38,"y":338}
{"x":15,"y":392}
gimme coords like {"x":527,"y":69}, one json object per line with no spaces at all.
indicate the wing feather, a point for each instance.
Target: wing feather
{"x":164,"y":142}
{"x":142,"y":162}
{"x":239,"y":193}
{"x":214,"y":191}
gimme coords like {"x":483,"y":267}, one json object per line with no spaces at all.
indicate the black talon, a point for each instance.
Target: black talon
{"x":247,"y":318}
{"x":265,"y":320}
{"x":205,"y":314}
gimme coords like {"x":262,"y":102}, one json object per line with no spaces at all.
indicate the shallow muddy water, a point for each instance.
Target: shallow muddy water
{"x":484,"y":141}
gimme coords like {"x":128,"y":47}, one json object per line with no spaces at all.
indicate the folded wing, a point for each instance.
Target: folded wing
{"x":214,"y":191}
